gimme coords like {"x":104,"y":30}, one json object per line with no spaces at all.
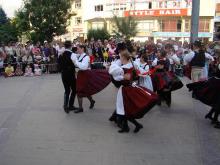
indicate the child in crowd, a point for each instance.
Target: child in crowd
{"x":18,"y":71}
{"x":37,"y":70}
{"x":9,"y":71}
{"x":28,"y":71}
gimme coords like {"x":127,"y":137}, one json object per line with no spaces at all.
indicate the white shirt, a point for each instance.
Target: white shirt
{"x":60,"y":50}
{"x":82,"y":62}
{"x":174,"y":59}
{"x":143,"y":68}
{"x":188,"y":58}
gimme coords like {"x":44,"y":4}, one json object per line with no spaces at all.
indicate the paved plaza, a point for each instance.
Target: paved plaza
{"x":34,"y":130}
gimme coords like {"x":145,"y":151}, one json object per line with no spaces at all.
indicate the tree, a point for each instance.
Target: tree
{"x":125,"y":27}
{"x":3,"y":17}
{"x":8,"y":30}
{"x":101,"y":34}
{"x":44,"y":19}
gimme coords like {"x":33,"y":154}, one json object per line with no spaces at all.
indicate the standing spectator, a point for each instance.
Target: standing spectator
{"x":27,"y":59}
{"x":9,"y":53}
{"x":2,"y":57}
{"x":52,"y":68}
{"x":60,"y":48}
{"x":18,"y":51}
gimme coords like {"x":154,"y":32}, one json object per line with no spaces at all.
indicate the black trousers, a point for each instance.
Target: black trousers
{"x":165,"y":95}
{"x":69,"y":83}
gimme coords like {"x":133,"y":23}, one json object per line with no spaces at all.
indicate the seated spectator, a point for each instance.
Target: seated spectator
{"x":37,"y":54}
{"x":18,"y":71}
{"x":9,"y":71}
{"x":37,"y":70}
{"x":27,"y":60}
{"x":28,"y":71}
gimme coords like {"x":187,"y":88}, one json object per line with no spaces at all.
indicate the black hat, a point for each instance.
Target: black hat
{"x":197,"y":43}
{"x":68,"y":44}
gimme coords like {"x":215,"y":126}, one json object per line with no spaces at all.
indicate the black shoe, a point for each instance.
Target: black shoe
{"x":168,"y":103}
{"x":217,"y":126}
{"x":113,"y":119}
{"x":66,"y":109}
{"x":159,"y":103}
{"x":92,"y":103}
{"x":209,"y":117}
{"x":72,"y":108}
{"x":124,"y":130}
{"x":137,"y":128}
{"x":78,"y":110}
{"x":215,"y":122}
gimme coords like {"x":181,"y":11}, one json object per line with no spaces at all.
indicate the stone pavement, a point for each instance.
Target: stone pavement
{"x":34,"y":130}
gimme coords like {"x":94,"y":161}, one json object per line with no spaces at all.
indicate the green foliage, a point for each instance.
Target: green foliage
{"x":125,"y":27}
{"x":44,"y":19}
{"x":101,"y":34}
{"x":3,"y":17}
{"x":8,"y":31}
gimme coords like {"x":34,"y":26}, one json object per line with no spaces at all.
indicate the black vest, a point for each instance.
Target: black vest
{"x":65,"y":62}
{"x":198,"y":59}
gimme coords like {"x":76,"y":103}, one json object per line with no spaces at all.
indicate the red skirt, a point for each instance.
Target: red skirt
{"x":176,"y":83}
{"x":138,"y":101}
{"x":90,"y":82}
{"x":208,"y":92}
{"x":161,"y":80}
{"x":166,"y":80}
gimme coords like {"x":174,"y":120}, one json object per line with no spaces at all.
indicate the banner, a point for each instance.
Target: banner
{"x":156,"y":12}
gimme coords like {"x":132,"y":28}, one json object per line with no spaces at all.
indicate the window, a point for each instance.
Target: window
{"x":179,"y":25}
{"x":97,"y":25}
{"x":99,"y":8}
{"x":78,"y":5}
{"x":204,"y":25}
{"x":187,"y":26}
{"x":145,"y":26}
{"x":78,"y":20}
{"x":169,"y":25}
{"x":150,"y":5}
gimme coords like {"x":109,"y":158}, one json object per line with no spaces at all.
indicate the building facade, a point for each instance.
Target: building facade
{"x":157,"y":19}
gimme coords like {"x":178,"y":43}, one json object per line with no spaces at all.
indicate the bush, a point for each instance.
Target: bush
{"x":101,"y":34}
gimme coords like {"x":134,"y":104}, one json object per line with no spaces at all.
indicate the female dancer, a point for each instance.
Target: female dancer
{"x":208,"y":93}
{"x":133,"y":102}
{"x":89,"y":82}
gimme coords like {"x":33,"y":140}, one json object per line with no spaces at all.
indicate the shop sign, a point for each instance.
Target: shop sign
{"x":156,"y":12}
{"x":181,"y":34}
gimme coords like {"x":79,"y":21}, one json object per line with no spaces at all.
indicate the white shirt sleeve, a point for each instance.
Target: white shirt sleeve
{"x":74,"y":57}
{"x":175,"y":59}
{"x":144,"y":70}
{"x":84,"y":65}
{"x":188,"y":58}
{"x":209,"y":57}
{"x":116,"y":72}
{"x":154,"y":63}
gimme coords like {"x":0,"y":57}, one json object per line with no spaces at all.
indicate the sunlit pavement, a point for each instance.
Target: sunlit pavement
{"x":34,"y":130}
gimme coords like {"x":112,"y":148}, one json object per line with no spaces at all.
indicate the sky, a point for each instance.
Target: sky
{"x":10,"y":6}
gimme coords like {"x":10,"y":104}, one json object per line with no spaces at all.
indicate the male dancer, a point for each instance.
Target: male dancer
{"x":67,"y":68}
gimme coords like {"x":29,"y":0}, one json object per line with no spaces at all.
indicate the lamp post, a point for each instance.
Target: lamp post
{"x":195,"y":20}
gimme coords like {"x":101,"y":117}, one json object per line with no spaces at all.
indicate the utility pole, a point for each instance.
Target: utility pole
{"x":195,"y":20}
